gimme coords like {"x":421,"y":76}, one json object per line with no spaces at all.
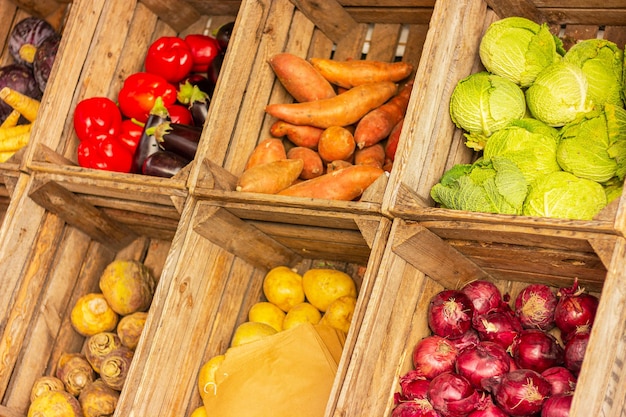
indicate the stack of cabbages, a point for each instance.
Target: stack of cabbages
{"x":549,"y":126}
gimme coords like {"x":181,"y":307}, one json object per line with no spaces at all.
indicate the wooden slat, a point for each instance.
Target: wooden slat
{"x":431,"y":255}
{"x":329,"y":16}
{"x":525,"y":8}
{"x":244,"y":240}
{"x":39,"y":8}
{"x":85,"y":217}
{"x":179,"y":14}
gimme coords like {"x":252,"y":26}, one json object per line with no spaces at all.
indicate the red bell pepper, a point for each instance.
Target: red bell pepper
{"x":204,"y":49}
{"x":170,"y":57}
{"x":97,"y":118}
{"x":140,"y":90}
{"x":180,"y":114}
{"x":108,"y":154}
{"x":131,"y":133}
{"x":98,"y":125}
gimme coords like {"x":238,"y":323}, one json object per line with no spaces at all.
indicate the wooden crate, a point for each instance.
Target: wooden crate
{"x":503,"y":245}
{"x":49,"y":261}
{"x":212,"y":281}
{"x":385,"y":31}
{"x":103,"y":43}
{"x":396,"y":319}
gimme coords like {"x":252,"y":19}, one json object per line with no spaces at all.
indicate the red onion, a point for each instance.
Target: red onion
{"x":536,"y":350}
{"x":452,"y":395}
{"x":519,"y":393}
{"x":413,"y":385}
{"x":419,"y":408}
{"x":501,"y":326}
{"x":485,"y":360}
{"x":575,"y":311}
{"x":486,"y":408}
{"x":535,"y":306}
{"x":434,"y":355}
{"x":450,"y":313}
{"x":562,"y":379}
{"x":468,"y":339}
{"x":557,"y":406}
{"x":575,"y":351}
{"x":484,"y":295}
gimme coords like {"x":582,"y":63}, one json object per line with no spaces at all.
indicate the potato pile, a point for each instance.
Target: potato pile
{"x":88,"y":383}
{"x":319,"y":296}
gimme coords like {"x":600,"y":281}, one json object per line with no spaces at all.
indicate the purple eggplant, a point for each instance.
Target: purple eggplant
{"x":25,"y":38}
{"x":20,"y":78}
{"x":215,"y":68}
{"x":179,"y":138}
{"x":148,"y":144}
{"x":196,"y":100}
{"x":224,"y":34}
{"x":163,"y":164}
{"x":44,"y":59}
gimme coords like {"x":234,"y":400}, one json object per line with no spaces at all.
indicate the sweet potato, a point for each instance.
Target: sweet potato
{"x":370,"y":155}
{"x":378,"y":123}
{"x":353,"y":72}
{"x":392,"y":141}
{"x":313,"y":165}
{"x":300,"y":78}
{"x":342,"y":110}
{"x":268,"y":150}
{"x":337,"y":165}
{"x":271,"y":177}
{"x":307,"y":136}
{"x":345,"y":184}
{"x":336,"y":143}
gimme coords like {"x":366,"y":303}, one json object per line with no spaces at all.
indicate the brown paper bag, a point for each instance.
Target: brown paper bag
{"x":287,"y":374}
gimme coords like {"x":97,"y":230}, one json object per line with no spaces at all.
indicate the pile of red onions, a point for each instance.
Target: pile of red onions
{"x":489,"y":356}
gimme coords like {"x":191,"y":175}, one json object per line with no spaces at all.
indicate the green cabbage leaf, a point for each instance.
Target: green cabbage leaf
{"x":488,"y":186}
{"x":559,"y":94}
{"x":594,"y":145}
{"x":602,"y":62}
{"x":529,"y":143}
{"x":563,"y":195}
{"x":483,"y":103}
{"x":518,"y":49}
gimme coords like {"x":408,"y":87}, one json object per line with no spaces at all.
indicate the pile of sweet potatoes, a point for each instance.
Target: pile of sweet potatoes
{"x":340,"y":133}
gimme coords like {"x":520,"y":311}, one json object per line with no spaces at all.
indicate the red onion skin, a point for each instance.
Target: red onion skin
{"x":434,"y":355}
{"x":413,"y":385}
{"x":575,"y":351}
{"x":414,"y":409}
{"x":575,"y":310}
{"x":563,"y":381}
{"x":501,"y":326}
{"x":484,"y":295}
{"x":557,"y":406}
{"x":537,"y":350}
{"x":450,"y":313}
{"x":485,"y":360}
{"x":535,"y":306}
{"x":486,"y":408}
{"x":519,"y":393}
{"x":452,"y":395}
{"x":468,"y":339}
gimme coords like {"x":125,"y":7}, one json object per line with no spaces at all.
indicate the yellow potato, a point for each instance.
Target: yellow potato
{"x":339,"y":313}
{"x":282,"y":286}
{"x":323,"y":286}
{"x":301,"y":313}
{"x":250,"y":331}
{"x":268,"y":313}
